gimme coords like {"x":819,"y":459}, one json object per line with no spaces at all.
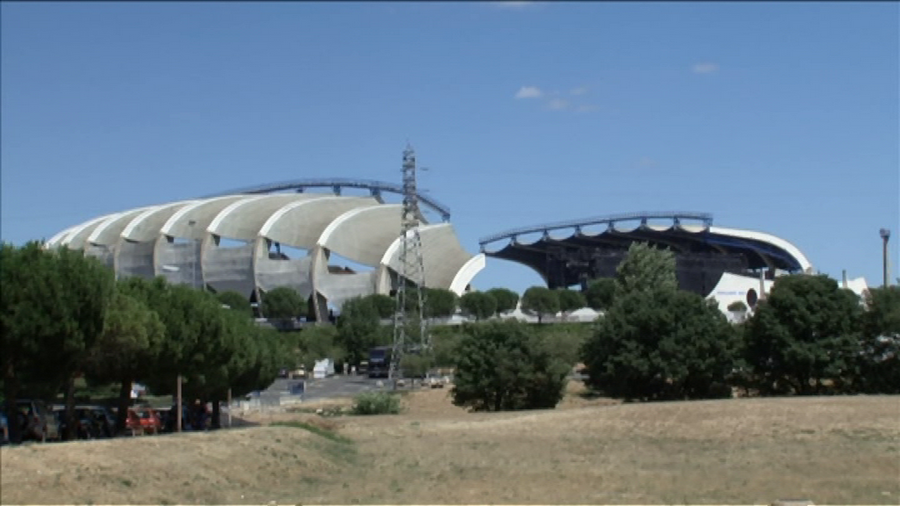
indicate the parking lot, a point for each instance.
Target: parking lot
{"x":340,"y":386}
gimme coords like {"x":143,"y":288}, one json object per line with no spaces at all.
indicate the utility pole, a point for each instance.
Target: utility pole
{"x":411,"y":275}
{"x":885,"y":236}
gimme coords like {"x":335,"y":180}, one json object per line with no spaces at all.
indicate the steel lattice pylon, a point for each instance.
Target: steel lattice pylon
{"x":410,"y":325}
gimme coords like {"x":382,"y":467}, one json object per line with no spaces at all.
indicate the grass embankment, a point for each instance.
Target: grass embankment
{"x":832,"y":450}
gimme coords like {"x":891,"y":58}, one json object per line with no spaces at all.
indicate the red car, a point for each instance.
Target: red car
{"x":150,"y":421}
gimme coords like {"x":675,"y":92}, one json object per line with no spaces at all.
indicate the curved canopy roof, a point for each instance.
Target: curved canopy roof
{"x":679,"y":231}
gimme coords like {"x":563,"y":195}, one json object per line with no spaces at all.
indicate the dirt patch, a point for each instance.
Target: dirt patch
{"x":835,"y":450}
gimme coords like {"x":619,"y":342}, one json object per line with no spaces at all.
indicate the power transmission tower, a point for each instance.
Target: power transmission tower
{"x":409,"y":314}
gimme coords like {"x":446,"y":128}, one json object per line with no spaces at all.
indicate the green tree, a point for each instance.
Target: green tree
{"x":656,"y":342}
{"x":600,"y":293}
{"x":440,"y":303}
{"x":565,"y":340}
{"x":570,"y":300}
{"x":737,"y":306}
{"x":803,"y":335}
{"x":481,"y":305}
{"x":235,"y":301}
{"x":502,"y":366}
{"x":283,"y":303}
{"x":87,"y":287}
{"x":53,"y":306}
{"x":128,"y":348}
{"x":317,"y":343}
{"x":507,"y":300}
{"x":656,"y":346}
{"x":385,"y":306}
{"x":358,"y":329}
{"x":646,"y":268}
{"x":880,"y":360}
{"x":31,"y":319}
{"x":541,"y":301}
{"x":416,"y":365}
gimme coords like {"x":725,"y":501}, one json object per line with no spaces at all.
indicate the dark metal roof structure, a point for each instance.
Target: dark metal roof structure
{"x":690,"y":235}
{"x":336,"y":184}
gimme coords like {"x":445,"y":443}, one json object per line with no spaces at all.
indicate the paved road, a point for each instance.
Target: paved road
{"x":339,"y":386}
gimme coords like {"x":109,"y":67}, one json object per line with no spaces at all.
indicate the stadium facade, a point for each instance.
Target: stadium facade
{"x":235,"y":242}
{"x":727,"y":264}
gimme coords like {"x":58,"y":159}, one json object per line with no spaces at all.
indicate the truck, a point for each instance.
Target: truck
{"x":380,"y":361}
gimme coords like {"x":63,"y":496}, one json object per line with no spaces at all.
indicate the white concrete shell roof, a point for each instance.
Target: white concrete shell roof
{"x":300,"y":224}
{"x":77,"y":237}
{"x":192,"y":220}
{"x":363,"y":234}
{"x":442,"y":254}
{"x":110,"y":230}
{"x":175,"y":240}
{"x":146,"y":226}
{"x":244,"y":218}
{"x":59,"y":236}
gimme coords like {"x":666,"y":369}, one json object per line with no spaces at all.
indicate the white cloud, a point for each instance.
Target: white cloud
{"x":705,"y":68}
{"x":557,"y":104}
{"x":529,"y":92}
{"x":581,"y":90}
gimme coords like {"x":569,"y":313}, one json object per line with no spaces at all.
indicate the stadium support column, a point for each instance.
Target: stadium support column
{"x":409,"y":313}
{"x":762,"y":284}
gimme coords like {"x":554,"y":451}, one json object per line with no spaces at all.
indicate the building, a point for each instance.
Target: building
{"x":727,"y":264}
{"x":238,"y":241}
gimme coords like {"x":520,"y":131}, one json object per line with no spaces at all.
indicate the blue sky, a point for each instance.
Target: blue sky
{"x":780,"y":117}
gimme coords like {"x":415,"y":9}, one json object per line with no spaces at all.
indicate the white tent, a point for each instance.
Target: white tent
{"x":323,"y":368}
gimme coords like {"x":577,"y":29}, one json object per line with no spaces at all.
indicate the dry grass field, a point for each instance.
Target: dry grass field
{"x":832,"y":450}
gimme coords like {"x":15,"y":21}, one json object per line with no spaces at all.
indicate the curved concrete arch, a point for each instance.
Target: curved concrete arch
{"x":363,"y":234}
{"x":201,"y":213}
{"x":244,"y":218}
{"x":467,"y":273}
{"x":78,"y":235}
{"x":442,"y":255}
{"x":108,"y":232}
{"x":59,"y":236}
{"x":301,"y":224}
{"x":147,"y":225}
{"x":778,"y":242}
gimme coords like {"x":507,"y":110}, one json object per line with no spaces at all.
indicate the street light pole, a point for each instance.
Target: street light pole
{"x":885,"y":236}
{"x":180,"y":409}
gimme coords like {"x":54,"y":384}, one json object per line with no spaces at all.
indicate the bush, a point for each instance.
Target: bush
{"x":804,"y":338}
{"x":481,"y":305}
{"x":737,"y":306}
{"x":377,"y":403}
{"x":502,"y":366}
{"x":415,"y":366}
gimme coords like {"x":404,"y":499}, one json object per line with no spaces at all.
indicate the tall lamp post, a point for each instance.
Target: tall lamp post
{"x":175,"y":268}
{"x":885,"y":236}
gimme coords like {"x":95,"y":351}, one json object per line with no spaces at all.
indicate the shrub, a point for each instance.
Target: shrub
{"x":737,"y":306}
{"x":377,"y":403}
{"x":504,"y":367}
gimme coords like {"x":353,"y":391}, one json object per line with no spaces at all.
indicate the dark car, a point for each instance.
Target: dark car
{"x":36,"y":421}
{"x":104,"y":422}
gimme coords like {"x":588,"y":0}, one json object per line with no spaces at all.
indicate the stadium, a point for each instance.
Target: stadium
{"x":725,"y":263}
{"x":239,"y":241}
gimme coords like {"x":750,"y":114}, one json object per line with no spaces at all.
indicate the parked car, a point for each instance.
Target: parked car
{"x":36,"y":421}
{"x":149,"y":420}
{"x":4,"y":427}
{"x":133,"y":423}
{"x":104,"y":420}
{"x":84,"y":424}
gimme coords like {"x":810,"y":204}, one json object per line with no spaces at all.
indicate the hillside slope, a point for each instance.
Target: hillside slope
{"x":832,"y":450}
